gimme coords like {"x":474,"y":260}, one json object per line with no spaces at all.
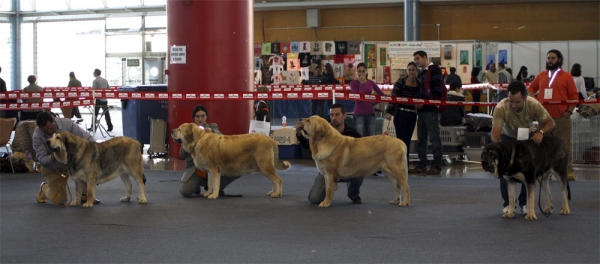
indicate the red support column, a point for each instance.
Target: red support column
{"x":218,"y":36}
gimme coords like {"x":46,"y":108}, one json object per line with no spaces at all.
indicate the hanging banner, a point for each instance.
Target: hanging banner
{"x":407,"y":49}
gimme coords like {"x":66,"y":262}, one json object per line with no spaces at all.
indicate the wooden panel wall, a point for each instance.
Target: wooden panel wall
{"x":497,"y":22}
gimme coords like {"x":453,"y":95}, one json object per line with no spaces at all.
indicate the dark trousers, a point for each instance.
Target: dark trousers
{"x":106,"y":114}
{"x":428,"y":129}
{"x":504,"y":185}
{"x":405,"y":123}
{"x":476,"y":98}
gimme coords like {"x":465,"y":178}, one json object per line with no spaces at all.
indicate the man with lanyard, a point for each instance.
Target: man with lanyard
{"x":52,"y":189}
{"x":428,"y":117}
{"x":552,"y":85}
{"x":317,"y":192}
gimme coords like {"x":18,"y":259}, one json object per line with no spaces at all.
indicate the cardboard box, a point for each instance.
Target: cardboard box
{"x":285,"y":136}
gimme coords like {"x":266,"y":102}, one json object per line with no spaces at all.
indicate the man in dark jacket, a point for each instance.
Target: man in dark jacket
{"x":317,"y":192}
{"x":452,"y":77}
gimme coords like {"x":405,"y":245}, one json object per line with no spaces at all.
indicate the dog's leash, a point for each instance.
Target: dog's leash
{"x":63,"y":185}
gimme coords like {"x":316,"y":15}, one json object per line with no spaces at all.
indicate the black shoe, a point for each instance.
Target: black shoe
{"x":416,"y":170}
{"x":356,"y":200}
{"x":110,"y":128}
{"x":433,"y":171}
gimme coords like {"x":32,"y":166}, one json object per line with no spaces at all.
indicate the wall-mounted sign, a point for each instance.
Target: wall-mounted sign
{"x":177,"y":55}
{"x":133,"y":62}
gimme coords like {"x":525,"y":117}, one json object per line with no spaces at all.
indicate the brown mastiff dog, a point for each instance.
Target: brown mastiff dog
{"x":338,"y":156}
{"x":222,"y":155}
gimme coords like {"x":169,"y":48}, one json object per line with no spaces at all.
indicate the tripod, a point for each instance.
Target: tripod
{"x":103,"y":129}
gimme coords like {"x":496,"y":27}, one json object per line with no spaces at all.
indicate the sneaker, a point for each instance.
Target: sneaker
{"x":41,"y":198}
{"x":356,"y":200}
{"x":433,"y":171}
{"x":416,"y":170}
{"x":524,"y":209}
{"x":110,"y":128}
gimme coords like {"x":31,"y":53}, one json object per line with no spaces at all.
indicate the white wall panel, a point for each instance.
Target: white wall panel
{"x":526,"y":53}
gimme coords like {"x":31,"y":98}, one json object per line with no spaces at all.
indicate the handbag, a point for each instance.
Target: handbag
{"x":388,"y":125}
{"x":260,"y":127}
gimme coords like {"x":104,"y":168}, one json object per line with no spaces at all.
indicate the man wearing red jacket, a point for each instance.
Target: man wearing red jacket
{"x":552,"y":85}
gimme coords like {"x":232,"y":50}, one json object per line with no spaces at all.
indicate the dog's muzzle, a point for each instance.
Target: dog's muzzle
{"x":178,"y":141}
{"x":57,"y":149}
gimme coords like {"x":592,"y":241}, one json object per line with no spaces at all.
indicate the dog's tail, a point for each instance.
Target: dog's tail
{"x":279,"y":165}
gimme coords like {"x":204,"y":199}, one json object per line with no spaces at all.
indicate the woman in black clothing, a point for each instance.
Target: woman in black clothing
{"x":329,"y":79}
{"x":405,"y":115}
{"x":454,"y":115}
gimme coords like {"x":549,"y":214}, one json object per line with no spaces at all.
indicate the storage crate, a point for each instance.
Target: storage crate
{"x":290,"y":152}
{"x":477,"y":139}
{"x":453,"y":136}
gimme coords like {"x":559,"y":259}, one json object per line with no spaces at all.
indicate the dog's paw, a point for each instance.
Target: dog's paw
{"x":530,"y":216}
{"x":75,"y":203}
{"x":213,"y":196}
{"x":548,"y":210}
{"x":274,"y":194}
{"x":88,"y":204}
{"x":142,"y":200}
{"x":404,"y":203}
{"x":125,"y":199}
{"x":395,"y":202}
{"x":564,"y":211}
{"x":324,"y":204}
{"x":508,"y":215}
{"x":206,"y":194}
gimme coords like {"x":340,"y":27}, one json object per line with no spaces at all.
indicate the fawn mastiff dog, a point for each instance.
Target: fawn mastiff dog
{"x":223,"y":155}
{"x":95,"y":163}
{"x":338,"y":156}
{"x":526,"y":161}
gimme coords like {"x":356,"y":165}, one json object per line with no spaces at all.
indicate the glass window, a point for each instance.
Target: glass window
{"x":155,"y":2}
{"x":124,"y":43}
{"x":5,"y":5}
{"x":86,"y":4}
{"x":159,"y":42}
{"x":156,"y":21}
{"x":25,"y":5}
{"x":48,"y":5}
{"x":124,"y":3}
{"x":65,"y":47}
{"x":6,"y":55}
{"x":123,"y":22}
{"x":26,"y":52}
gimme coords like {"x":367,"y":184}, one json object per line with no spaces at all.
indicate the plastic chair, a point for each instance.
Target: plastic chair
{"x":6,"y":128}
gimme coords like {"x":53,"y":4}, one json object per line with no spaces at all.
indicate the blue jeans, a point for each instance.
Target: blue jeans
{"x":365,"y":124}
{"x":405,"y":123}
{"x":317,"y":192}
{"x":504,"y":184}
{"x":428,"y":128}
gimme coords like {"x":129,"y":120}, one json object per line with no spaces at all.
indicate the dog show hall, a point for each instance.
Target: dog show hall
{"x":270,"y":131}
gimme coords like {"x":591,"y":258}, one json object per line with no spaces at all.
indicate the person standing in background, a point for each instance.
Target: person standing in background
{"x":475,"y":93}
{"x":317,"y":78}
{"x":405,"y":115}
{"x":31,"y":114}
{"x":452,"y":77}
{"x":504,"y":77}
{"x":73,"y":82}
{"x":579,"y":81}
{"x":101,"y":83}
{"x":554,"y":84}
{"x":364,"y":112}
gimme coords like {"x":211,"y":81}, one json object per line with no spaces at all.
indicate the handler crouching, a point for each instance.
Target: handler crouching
{"x":55,"y":187}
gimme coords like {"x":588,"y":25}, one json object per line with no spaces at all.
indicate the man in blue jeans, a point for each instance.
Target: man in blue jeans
{"x":428,"y":116}
{"x":317,"y":192}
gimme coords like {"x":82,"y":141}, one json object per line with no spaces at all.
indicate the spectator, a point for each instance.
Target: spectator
{"x":475,"y":93}
{"x":317,"y":78}
{"x":329,"y":79}
{"x":193,"y":178}
{"x":490,"y":76}
{"x":520,"y":74}
{"x":454,"y":115}
{"x":504,"y":77}
{"x":525,"y":78}
{"x":364,"y":113}
{"x":31,"y":114}
{"x":317,"y":192}
{"x":453,"y":77}
{"x":73,"y":82}
{"x":554,"y":84}
{"x":405,"y":115}
{"x":579,"y":81}
{"x":428,"y":121}
{"x":512,"y":114}
{"x":53,"y":189}
{"x":101,"y":83}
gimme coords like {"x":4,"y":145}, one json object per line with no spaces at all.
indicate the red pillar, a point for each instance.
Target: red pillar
{"x":218,"y":36}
